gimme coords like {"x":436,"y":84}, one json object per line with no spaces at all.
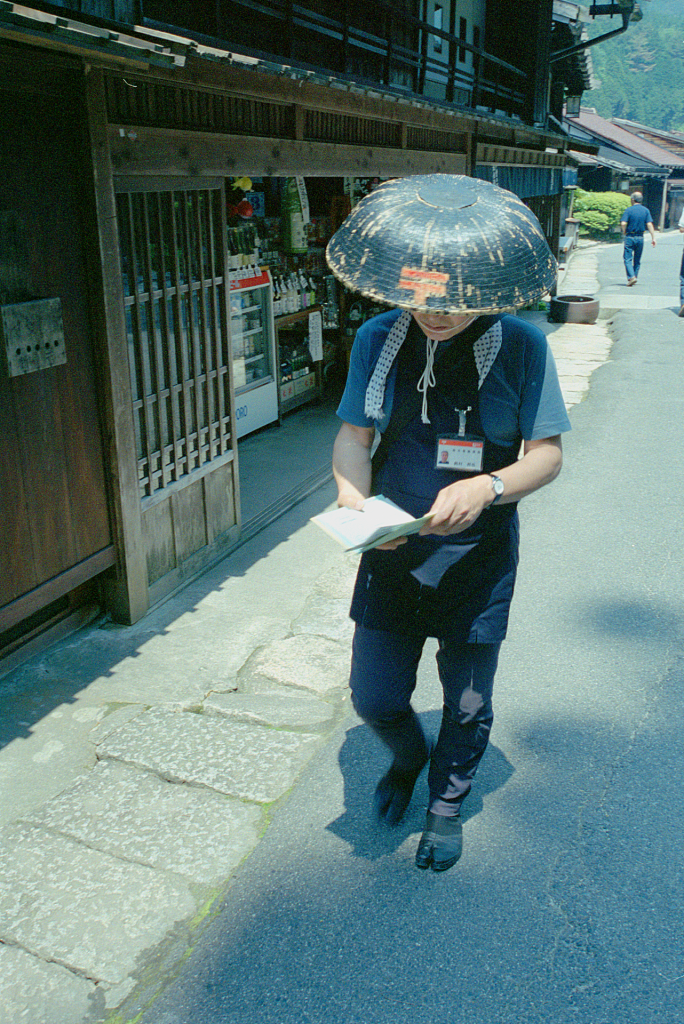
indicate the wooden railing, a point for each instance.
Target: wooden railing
{"x":379,"y":46}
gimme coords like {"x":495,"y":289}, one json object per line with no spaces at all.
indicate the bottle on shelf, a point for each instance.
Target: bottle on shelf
{"x":305,"y":290}
{"x":293,"y":298}
{"x":312,"y":291}
{"x":233,"y":251}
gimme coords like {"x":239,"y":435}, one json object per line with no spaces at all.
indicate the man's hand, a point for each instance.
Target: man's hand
{"x":391,"y":544}
{"x":457,"y":506}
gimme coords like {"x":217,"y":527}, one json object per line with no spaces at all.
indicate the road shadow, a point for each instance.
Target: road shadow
{"x":632,"y":619}
{"x":363,"y":760}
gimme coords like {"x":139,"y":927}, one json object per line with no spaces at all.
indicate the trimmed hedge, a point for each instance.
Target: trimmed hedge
{"x":599,"y":212}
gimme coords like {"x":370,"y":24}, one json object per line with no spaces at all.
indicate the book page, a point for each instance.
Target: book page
{"x":380,"y":520}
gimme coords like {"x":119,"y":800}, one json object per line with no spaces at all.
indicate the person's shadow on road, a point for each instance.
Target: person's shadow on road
{"x":363,"y":760}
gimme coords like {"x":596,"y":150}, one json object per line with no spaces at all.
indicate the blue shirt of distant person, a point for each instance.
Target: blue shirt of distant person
{"x":634,"y":221}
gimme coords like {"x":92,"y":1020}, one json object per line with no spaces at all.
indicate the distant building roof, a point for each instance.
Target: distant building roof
{"x":615,"y":136}
{"x":672,"y":141}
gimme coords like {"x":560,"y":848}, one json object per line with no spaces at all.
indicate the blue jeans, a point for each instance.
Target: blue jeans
{"x":383,"y":678}
{"x":634,"y":246}
{"x":681,"y":281}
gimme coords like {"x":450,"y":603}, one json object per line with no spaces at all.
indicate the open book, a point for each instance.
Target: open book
{"x":379,"y":521}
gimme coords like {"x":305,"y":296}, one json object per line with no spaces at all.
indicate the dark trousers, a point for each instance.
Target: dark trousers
{"x":634,"y":247}
{"x":383,"y":678}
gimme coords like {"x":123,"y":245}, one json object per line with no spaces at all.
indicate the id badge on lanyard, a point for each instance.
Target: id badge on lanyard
{"x":463,"y":452}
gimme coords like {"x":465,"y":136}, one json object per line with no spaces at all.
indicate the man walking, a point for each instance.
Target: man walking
{"x":635,"y":220}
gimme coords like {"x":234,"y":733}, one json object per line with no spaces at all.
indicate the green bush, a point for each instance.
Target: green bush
{"x":599,"y":212}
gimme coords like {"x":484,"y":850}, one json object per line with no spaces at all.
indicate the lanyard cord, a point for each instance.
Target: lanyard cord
{"x":427,"y":378}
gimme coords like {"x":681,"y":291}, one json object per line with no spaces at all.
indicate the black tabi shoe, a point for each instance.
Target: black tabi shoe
{"x":441,"y":844}
{"x":393,"y":793}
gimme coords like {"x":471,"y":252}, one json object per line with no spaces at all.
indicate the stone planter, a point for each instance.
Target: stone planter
{"x":574,"y":309}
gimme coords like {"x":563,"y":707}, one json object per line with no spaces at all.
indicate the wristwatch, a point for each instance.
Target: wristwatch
{"x":497,"y":486}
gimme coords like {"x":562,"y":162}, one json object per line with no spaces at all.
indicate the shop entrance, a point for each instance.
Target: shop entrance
{"x":172,"y":236}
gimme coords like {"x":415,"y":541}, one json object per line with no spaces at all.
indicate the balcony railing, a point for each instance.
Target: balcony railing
{"x":382,"y":46}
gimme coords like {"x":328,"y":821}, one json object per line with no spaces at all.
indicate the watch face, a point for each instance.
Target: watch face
{"x":498,"y":485}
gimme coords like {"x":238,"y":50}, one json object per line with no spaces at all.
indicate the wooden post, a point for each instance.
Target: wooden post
{"x":126,"y":594}
{"x":663,"y":208}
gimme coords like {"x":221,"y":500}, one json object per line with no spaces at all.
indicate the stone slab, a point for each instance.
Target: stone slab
{"x":338,"y":581}
{"x":173,"y":665}
{"x":589,"y":348}
{"x":276,"y":709}
{"x":136,"y":816}
{"x":89,"y":911}
{"x":44,"y":745}
{"x":35,"y":992}
{"x":328,"y":617}
{"x":579,"y":369}
{"x":246,"y":761}
{"x":308,"y":662}
{"x":113,"y":718}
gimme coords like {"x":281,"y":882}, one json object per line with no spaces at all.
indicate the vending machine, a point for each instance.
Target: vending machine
{"x":253,"y":338}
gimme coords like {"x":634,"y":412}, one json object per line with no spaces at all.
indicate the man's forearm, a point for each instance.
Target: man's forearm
{"x":459,"y":504}
{"x":352,"y":465}
{"x":540,"y":465}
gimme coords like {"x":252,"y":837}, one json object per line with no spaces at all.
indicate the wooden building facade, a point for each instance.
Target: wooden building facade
{"x":119,"y":477}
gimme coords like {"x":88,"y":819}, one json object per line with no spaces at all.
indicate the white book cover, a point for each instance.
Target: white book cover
{"x":379,"y":521}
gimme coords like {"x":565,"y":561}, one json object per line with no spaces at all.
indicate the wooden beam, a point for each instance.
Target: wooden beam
{"x":159,"y":150}
{"x":255,"y":83}
{"x":127,"y":593}
{"x":339,"y":98}
{"x":299,"y":119}
{"x":512,"y":156}
{"x":16,"y":611}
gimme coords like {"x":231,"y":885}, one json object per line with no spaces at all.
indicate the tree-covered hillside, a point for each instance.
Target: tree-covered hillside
{"x":642,"y":71}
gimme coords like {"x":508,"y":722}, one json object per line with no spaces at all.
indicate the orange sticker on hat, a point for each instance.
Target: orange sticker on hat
{"x":423,"y":283}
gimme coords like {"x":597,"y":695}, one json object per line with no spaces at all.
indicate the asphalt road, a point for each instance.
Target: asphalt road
{"x":568,"y":904}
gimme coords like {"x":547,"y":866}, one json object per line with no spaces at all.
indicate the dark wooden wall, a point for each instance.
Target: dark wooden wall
{"x":53,"y":500}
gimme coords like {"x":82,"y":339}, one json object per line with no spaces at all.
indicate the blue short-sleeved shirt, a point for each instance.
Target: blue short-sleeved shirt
{"x":520,"y":395}
{"x":636,"y":218}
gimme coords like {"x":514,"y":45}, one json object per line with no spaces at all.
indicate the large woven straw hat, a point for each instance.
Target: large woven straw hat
{"x":443,"y":243}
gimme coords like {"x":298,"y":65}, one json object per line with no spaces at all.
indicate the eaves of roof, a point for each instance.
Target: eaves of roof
{"x":145,"y":47}
{"x":574,"y":17}
{"x":570,"y":13}
{"x":28,"y":25}
{"x":616,"y":162}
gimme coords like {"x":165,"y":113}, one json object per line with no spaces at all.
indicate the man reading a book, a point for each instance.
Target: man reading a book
{"x":466,"y":400}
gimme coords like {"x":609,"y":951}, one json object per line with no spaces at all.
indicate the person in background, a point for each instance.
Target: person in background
{"x":443,"y":367}
{"x":635,"y":220}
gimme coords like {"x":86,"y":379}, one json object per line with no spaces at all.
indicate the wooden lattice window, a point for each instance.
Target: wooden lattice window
{"x":174,"y":282}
